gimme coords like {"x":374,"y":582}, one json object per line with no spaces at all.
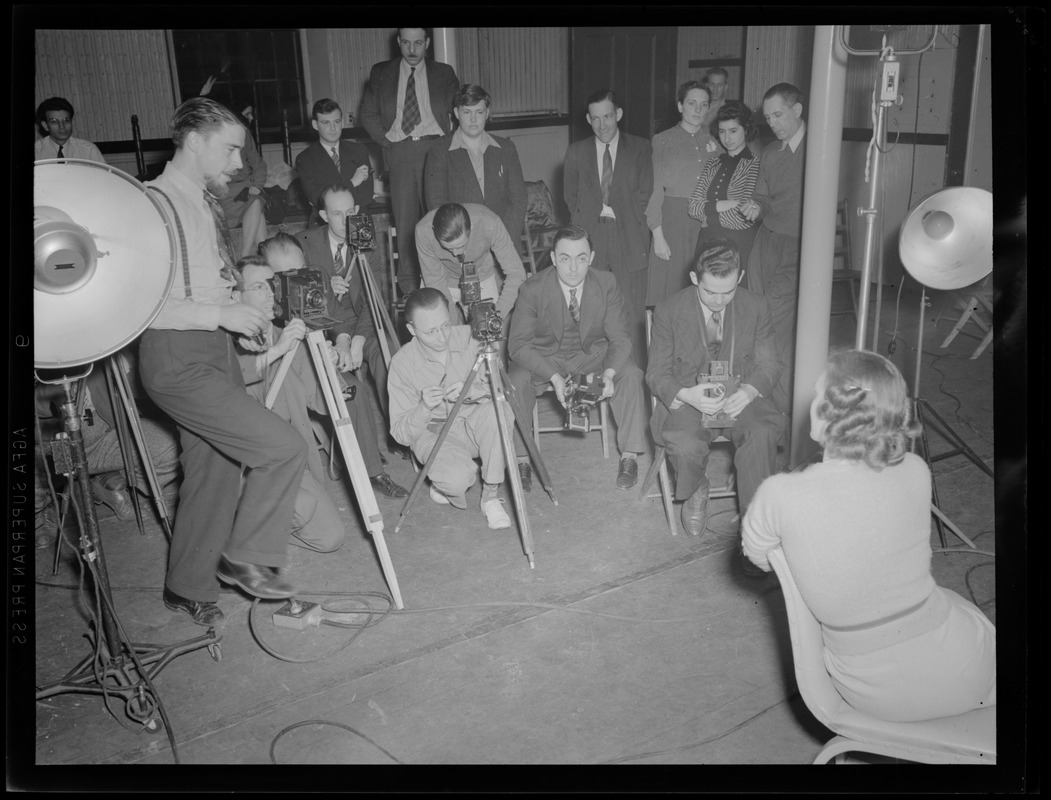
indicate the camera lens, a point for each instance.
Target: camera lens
{"x":314,"y":299}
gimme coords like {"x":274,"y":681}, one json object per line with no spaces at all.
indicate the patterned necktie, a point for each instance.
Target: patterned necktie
{"x":60,"y":152}
{"x":607,"y":175}
{"x":222,"y":238}
{"x":410,"y":116}
{"x":335,"y":157}
{"x":713,"y":332}
{"x":337,"y":261}
{"x":574,"y":307}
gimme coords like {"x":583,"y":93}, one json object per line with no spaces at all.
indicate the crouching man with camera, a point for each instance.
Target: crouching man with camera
{"x":426,"y":377}
{"x":570,"y":321}
{"x":706,"y":338}
{"x":327,"y":250}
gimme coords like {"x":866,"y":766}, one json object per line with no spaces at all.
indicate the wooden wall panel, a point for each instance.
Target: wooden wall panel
{"x":108,"y":75}
{"x":776,"y":53}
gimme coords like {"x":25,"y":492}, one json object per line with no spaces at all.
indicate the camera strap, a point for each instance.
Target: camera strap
{"x":182,"y":241}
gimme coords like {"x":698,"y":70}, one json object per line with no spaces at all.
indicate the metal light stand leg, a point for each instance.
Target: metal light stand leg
{"x":123,"y":441}
{"x":119,"y":376}
{"x":918,"y":406}
{"x":348,"y":442}
{"x":117,"y":666}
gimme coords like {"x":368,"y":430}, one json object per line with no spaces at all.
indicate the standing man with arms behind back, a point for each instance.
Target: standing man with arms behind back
{"x":406,"y":109}
{"x":189,"y":367}
{"x":608,"y":181}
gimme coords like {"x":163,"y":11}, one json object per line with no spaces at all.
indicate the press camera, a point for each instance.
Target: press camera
{"x":487,"y":325}
{"x":582,"y":395}
{"x":361,"y":232}
{"x":726,"y":385}
{"x":301,"y":293}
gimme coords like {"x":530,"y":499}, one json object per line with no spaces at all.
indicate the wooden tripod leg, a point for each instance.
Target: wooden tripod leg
{"x":279,"y":378}
{"x":531,"y":447}
{"x":348,"y":442}
{"x":385,"y":332}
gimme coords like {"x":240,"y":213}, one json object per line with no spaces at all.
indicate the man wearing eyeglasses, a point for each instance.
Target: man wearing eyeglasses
{"x":570,"y":320}
{"x":426,"y":377}
{"x":55,"y":119}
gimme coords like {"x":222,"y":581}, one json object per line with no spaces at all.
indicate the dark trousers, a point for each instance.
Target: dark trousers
{"x":754,"y":437}
{"x":773,"y":271}
{"x":406,"y":159}
{"x":633,"y":286}
{"x":627,"y":403}
{"x":194,"y":377}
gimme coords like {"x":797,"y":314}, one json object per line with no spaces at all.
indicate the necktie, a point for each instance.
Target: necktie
{"x":335,"y":157}
{"x":337,"y":261}
{"x":222,"y":238}
{"x":607,"y":175}
{"x":574,"y":307}
{"x":410,"y":116}
{"x":714,"y":332}
{"x":60,"y":152}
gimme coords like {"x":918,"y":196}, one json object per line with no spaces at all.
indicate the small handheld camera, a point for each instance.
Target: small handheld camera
{"x":486,"y":323}
{"x":727,"y":384}
{"x":361,"y":232}
{"x":470,"y":284}
{"x":582,"y":395}
{"x":301,"y":293}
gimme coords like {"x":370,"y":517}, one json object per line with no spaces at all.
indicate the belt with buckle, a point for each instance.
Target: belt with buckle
{"x":607,"y":220}
{"x":425,"y":138}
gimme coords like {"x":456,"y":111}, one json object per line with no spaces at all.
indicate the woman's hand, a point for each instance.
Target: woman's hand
{"x":660,"y":245}
{"x":722,"y":206}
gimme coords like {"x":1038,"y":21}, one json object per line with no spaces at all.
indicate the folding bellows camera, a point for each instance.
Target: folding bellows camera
{"x":485,"y":321}
{"x":301,"y":293}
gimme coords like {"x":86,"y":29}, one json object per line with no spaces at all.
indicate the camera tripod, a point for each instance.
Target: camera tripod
{"x":116,"y":666}
{"x":348,"y":442}
{"x":490,"y":356}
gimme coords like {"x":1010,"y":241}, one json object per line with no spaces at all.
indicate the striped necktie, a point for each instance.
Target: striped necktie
{"x":335,"y":157}
{"x":713,"y":332}
{"x":607,"y":175}
{"x":337,"y":260}
{"x":574,"y":307}
{"x":410,"y":117}
{"x":222,"y":238}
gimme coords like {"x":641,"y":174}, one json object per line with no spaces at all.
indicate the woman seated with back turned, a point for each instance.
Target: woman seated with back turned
{"x":855,"y":530}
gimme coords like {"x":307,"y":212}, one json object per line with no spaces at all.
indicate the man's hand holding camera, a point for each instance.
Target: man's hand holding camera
{"x":340,"y":286}
{"x":607,"y":384}
{"x":736,"y":402}
{"x":708,"y":398}
{"x":245,"y":320}
{"x":350,"y":352}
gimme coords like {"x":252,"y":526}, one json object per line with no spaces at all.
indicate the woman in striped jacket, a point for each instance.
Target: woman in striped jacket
{"x":727,"y":181}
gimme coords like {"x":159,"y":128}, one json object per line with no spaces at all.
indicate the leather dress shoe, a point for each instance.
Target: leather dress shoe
{"x":695,"y":513}
{"x":207,"y":614}
{"x":256,"y":580}
{"x":627,"y":472}
{"x":384,"y":484}
{"x":110,"y":490}
{"x":525,"y":473}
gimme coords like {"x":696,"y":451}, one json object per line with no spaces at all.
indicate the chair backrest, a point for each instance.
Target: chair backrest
{"x":814,"y":682}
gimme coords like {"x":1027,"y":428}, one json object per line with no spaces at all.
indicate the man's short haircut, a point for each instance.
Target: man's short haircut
{"x":53,"y":104}
{"x":426,"y":31}
{"x":471,"y":94}
{"x":789,"y":93}
{"x":717,"y":71}
{"x":201,"y":115}
{"x":247,"y":261}
{"x":326,"y":105}
{"x":738,"y":112}
{"x":573,"y":233}
{"x":718,"y":257}
{"x":279,"y":242}
{"x":335,"y":188}
{"x":601,"y":95}
{"x":687,"y":87}
{"x":425,"y":298}
{"x":451,"y":221}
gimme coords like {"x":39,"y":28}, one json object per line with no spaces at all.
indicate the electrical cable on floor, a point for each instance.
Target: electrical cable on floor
{"x":702,"y":742}
{"x":381,"y":748}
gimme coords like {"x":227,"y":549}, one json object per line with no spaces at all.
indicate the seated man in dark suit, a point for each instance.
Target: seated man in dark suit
{"x":327,"y":250}
{"x":330,"y":160}
{"x":471,"y":166}
{"x":570,"y":319}
{"x":691,"y":329}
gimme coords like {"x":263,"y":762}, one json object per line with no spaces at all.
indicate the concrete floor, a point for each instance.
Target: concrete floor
{"x":624,"y":644}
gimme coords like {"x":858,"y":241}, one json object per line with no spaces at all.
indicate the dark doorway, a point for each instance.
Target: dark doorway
{"x":637,"y":63}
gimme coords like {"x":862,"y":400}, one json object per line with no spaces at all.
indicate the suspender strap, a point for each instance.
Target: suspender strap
{"x":182,"y":241}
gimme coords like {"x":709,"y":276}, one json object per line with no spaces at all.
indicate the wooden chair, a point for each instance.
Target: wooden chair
{"x":660,"y":468}
{"x":540,"y":226}
{"x":846,"y":273}
{"x":968,"y":738}
{"x":979,"y":301}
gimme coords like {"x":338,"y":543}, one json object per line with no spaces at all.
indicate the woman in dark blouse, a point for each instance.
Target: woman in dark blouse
{"x":728,"y":180}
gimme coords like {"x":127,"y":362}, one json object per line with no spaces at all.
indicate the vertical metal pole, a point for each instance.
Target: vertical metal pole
{"x":870,"y":232}
{"x":824,"y":141}
{"x":445,"y":46}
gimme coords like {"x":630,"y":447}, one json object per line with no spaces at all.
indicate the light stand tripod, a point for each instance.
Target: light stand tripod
{"x":490,"y":356}
{"x":348,"y":442}
{"x":116,"y":666}
{"x":921,"y":410}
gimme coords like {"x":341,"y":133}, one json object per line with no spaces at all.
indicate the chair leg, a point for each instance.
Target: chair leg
{"x":658,"y":460}
{"x":669,"y":510}
{"x":972,"y":306}
{"x":985,"y":343}
{"x":603,"y":415}
{"x":536,"y":424}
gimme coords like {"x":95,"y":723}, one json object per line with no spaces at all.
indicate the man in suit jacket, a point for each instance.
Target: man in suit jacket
{"x":472,"y":166}
{"x":330,"y":160}
{"x":607,"y":197}
{"x":570,"y":320}
{"x":405,"y":109}
{"x":326,"y":250}
{"x":691,"y":329}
